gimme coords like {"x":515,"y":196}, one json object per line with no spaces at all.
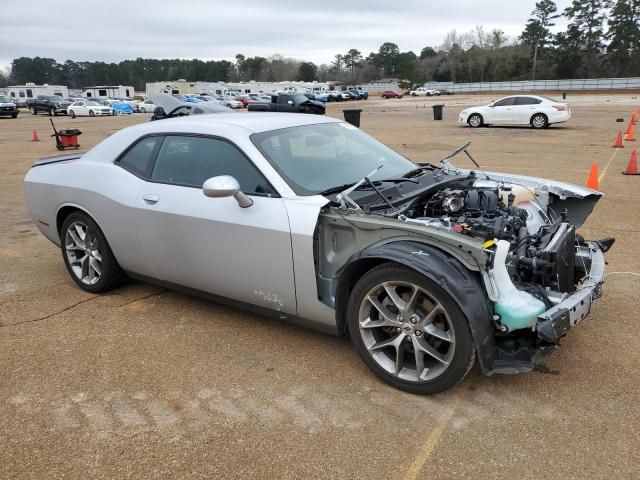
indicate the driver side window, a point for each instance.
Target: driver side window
{"x":190,"y":160}
{"x":505,"y":102}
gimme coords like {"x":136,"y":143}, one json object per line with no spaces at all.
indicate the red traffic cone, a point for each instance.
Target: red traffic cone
{"x":34,"y":136}
{"x":592,"y":181}
{"x":632,"y":168}
{"x":618,"y":143}
{"x":631,"y":133}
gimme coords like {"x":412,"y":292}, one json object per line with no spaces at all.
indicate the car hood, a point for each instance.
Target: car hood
{"x":7,"y":104}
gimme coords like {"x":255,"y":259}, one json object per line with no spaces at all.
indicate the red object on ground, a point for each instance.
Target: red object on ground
{"x":34,"y":137}
{"x":631,"y":133}
{"x":592,"y":181}
{"x":618,"y":143}
{"x":632,"y":168}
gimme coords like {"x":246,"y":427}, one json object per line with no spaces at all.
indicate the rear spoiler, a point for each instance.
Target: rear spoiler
{"x":57,"y":159}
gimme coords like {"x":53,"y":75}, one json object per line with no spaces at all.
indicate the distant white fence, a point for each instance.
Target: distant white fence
{"x":549,"y":85}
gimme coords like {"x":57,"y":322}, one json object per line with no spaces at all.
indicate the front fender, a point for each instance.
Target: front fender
{"x":464,"y":286}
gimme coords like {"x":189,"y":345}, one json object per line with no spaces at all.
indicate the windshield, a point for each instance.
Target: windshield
{"x":4,"y":99}
{"x":92,"y":104}
{"x":315,"y":158}
{"x":299,"y":98}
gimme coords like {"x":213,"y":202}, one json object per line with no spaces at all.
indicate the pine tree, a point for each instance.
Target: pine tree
{"x":536,"y":34}
{"x":624,"y":38}
{"x":588,"y":22}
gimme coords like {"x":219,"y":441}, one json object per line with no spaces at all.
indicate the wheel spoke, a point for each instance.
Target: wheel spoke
{"x":436,"y":332}
{"x":82,"y":233}
{"x":394,"y":297}
{"x":429,"y":317}
{"x":388,"y":319}
{"x":419,"y":354}
{"x":97,"y":256}
{"x":388,"y":342}
{"x":429,"y":350}
{"x":76,"y":239}
{"x":84,"y":264}
{"x":95,"y":266}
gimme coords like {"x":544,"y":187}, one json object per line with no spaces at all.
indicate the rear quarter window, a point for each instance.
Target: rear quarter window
{"x":138,"y":159}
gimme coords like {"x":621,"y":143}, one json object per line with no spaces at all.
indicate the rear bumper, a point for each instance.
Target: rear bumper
{"x":556,"y":322}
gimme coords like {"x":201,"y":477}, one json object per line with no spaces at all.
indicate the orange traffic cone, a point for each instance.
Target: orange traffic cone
{"x":631,"y":133}
{"x":592,"y":181}
{"x":618,"y":143}
{"x":34,"y":137}
{"x":632,"y":168}
{"x":634,"y":118}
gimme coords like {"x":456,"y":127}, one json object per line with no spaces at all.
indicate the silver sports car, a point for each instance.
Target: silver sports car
{"x":425,"y":267}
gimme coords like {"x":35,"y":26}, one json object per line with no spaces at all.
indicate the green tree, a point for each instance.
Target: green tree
{"x":537,"y":34}
{"x":387,"y":58}
{"x":623,"y":50}
{"x":428,"y":52}
{"x":352,"y":59}
{"x":307,"y":72}
{"x":587,"y":23}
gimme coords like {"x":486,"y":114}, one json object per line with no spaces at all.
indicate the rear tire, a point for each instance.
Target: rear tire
{"x":475,"y":120}
{"x":72,"y":114}
{"x":51,"y":112}
{"x":91,"y":114}
{"x":418,"y":316}
{"x":87,"y":255}
{"x":539,"y":120}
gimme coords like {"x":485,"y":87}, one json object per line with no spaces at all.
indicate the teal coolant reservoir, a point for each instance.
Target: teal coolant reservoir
{"x":517,"y":309}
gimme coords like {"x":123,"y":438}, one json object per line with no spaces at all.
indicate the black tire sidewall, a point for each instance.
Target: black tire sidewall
{"x":111,"y":272}
{"x":464,"y":347}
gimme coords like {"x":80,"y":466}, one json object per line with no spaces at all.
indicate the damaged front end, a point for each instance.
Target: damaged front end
{"x":516,"y":235}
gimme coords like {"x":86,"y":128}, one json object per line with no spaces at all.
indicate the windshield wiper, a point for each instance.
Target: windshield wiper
{"x":341,"y":188}
{"x":343,"y":197}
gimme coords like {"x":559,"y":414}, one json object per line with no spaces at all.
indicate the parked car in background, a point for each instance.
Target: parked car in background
{"x":310,"y":219}
{"x":291,"y":103}
{"x":390,"y":94}
{"x":534,"y":110}
{"x":7,"y":107}
{"x":51,"y":104}
{"x":118,"y":107}
{"x":88,"y":108}
{"x":168,"y":106}
{"x":424,"y":92}
{"x":147,"y":106}
{"x":231,"y":102}
{"x":445,"y":92}
{"x":320,"y":97}
{"x":245,"y":100}
{"x":209,"y":99}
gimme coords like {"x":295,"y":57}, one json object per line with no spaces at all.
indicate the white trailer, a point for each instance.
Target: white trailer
{"x":109,"y":91}
{"x":21,"y":93}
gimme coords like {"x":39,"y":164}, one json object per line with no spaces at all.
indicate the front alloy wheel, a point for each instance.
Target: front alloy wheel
{"x":409,"y":331}
{"x":475,"y":120}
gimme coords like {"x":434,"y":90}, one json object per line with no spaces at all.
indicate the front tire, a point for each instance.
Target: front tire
{"x":87,"y":255}
{"x":72,"y":114}
{"x":91,"y":113}
{"x":409,"y":331}
{"x":475,"y":120}
{"x":142,"y":110}
{"x":539,"y":120}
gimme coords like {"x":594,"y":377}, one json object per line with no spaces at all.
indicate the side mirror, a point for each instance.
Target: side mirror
{"x":158,"y":113}
{"x":225,"y":186}
{"x":492,"y":105}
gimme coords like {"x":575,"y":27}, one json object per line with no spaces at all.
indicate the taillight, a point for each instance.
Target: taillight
{"x":561,"y":108}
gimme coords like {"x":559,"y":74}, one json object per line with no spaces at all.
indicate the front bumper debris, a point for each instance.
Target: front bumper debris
{"x":555,"y":322}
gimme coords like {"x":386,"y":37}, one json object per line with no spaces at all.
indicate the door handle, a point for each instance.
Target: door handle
{"x":150,"y":199}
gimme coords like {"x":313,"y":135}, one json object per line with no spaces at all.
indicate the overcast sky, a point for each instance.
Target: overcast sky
{"x":115,"y":30}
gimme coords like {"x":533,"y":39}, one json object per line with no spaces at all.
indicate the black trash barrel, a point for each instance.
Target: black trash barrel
{"x":352,"y":116}
{"x":438,"y":112}
{"x":564,"y":95}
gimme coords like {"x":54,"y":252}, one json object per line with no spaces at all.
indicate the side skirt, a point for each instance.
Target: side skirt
{"x":211,"y":297}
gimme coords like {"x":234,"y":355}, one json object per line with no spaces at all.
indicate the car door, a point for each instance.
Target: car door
{"x":212,"y":244}
{"x":523,"y":109}
{"x":82,"y":109}
{"x":502,"y":112}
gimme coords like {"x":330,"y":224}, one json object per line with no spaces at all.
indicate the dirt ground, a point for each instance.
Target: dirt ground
{"x":149,"y":383}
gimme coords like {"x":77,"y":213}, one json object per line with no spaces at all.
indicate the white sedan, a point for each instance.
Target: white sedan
{"x":539,"y":112}
{"x":147,"y":106}
{"x":422,"y":91}
{"x":88,"y":108}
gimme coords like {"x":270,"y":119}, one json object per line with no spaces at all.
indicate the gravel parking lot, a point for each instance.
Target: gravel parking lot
{"x":149,"y":383}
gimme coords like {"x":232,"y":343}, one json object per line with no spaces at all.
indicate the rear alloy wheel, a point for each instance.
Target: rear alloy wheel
{"x":91,"y":114}
{"x":539,"y":120}
{"x":475,"y":120}
{"x":87,"y":254}
{"x":72,"y":114}
{"x":142,"y":110}
{"x":409,"y":331}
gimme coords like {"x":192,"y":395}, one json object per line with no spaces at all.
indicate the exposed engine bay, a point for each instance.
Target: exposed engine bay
{"x":535,"y":259}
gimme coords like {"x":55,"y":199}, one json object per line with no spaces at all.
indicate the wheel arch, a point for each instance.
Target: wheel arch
{"x":463,"y":285}
{"x":67,"y":209}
